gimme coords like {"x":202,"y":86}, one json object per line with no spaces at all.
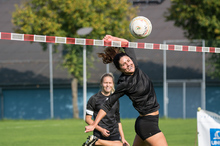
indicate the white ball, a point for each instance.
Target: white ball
{"x":140,"y":27}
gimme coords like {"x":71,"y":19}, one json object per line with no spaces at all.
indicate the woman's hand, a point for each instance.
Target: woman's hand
{"x":109,"y":38}
{"x":105,"y":132}
{"x":125,"y":143}
{"x":89,"y":128}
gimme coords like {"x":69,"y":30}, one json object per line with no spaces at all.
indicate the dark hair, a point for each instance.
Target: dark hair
{"x":117,"y":58}
{"x":112,"y":54}
{"x":109,"y":54}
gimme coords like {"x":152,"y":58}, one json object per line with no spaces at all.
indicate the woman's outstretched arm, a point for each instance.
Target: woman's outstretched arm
{"x":98,"y":118}
{"x":109,"y":38}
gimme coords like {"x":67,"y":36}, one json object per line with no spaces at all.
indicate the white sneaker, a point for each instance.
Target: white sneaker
{"x":90,"y":140}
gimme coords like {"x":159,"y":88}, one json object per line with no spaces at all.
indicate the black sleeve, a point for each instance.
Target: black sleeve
{"x":119,"y":92}
{"x":117,"y":113}
{"x":130,"y":52}
{"x":90,"y":106}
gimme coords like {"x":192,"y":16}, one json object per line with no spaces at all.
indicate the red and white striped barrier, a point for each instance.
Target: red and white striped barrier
{"x":93,"y":42}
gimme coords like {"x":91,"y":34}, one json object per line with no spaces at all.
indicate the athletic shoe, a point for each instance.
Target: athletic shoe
{"x":90,"y":140}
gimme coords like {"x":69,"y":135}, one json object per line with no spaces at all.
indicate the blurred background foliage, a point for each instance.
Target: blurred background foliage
{"x":64,"y":18}
{"x":200,"y":19}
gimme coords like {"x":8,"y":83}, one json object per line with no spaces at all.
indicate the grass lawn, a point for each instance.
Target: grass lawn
{"x":70,"y":132}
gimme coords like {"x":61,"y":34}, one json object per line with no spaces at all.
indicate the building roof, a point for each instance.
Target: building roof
{"x":25,"y":63}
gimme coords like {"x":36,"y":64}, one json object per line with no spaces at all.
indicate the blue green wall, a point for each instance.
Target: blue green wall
{"x":35,"y":103}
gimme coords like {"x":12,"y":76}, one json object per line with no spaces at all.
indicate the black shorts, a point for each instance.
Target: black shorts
{"x":147,"y":126}
{"x":114,"y":135}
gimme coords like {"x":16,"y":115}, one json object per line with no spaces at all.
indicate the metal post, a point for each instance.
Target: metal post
{"x":184,"y":100}
{"x":203,"y":101}
{"x":165,"y":98}
{"x":107,"y":68}
{"x":51,"y":81}
{"x":84,"y":82}
{"x":83,"y":32}
{"x":2,"y":104}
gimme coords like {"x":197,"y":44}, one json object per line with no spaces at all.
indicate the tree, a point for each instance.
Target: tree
{"x":64,"y":17}
{"x":200,"y":19}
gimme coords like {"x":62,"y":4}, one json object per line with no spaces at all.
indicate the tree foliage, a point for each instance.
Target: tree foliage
{"x":214,"y":60}
{"x":64,"y":17}
{"x":200,"y":19}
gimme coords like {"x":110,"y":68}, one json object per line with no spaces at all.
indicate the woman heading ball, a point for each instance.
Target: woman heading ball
{"x":134,"y":83}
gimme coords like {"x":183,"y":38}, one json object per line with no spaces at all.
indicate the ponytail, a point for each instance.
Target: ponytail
{"x":109,"y":54}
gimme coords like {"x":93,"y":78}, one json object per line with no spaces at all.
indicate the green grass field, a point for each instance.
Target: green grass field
{"x":70,"y":132}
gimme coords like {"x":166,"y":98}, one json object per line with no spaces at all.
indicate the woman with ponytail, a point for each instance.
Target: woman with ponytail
{"x":134,"y":83}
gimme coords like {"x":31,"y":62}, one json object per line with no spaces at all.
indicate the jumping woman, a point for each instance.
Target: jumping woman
{"x":134,"y":83}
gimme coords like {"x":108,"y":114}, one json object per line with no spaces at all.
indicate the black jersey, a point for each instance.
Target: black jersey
{"x":112,"y":118}
{"x":138,"y":87}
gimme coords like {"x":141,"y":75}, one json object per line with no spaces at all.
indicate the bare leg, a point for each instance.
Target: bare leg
{"x":101,"y":142}
{"x":139,"y":142}
{"x":155,"y":140}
